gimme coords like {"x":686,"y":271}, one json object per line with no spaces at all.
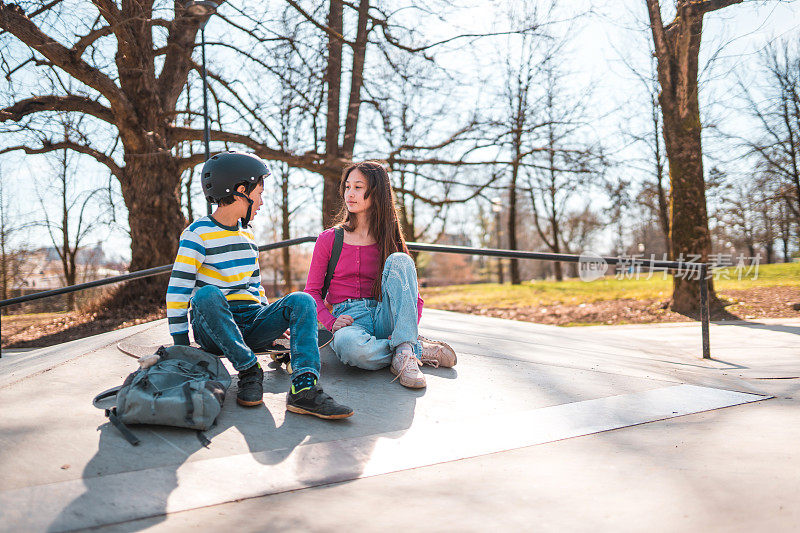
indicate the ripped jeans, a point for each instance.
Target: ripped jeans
{"x":366,"y":344}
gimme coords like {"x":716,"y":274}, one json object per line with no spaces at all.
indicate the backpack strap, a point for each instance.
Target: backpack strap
{"x":187,"y":394}
{"x":111,"y":413}
{"x":127,"y":433}
{"x":336,"y":251}
{"x":205,"y":441}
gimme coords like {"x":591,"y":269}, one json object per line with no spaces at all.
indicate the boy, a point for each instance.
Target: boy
{"x":216,"y":274}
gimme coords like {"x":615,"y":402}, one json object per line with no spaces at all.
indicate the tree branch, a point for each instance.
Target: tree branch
{"x":659,"y":38}
{"x":13,"y":20}
{"x":356,"y":80}
{"x":309,"y":161}
{"x":81,"y":104}
{"x":706,"y":6}
{"x":83,"y":43}
{"x":70,"y":145}
{"x":332,"y":33}
{"x":186,"y":163}
{"x":178,"y":59}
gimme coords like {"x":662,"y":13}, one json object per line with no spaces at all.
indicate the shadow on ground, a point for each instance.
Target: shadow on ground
{"x":270,"y":435}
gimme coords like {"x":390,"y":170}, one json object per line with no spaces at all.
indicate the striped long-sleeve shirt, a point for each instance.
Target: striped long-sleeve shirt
{"x":212,"y":254}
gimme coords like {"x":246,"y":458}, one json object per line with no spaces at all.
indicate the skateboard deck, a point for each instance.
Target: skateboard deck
{"x":278,"y":352}
{"x":281,"y":346}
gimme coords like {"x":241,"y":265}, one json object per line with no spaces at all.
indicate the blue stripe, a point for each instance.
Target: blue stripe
{"x":201,"y":224}
{"x":179,"y":290}
{"x":250,"y":261}
{"x":184,"y":243}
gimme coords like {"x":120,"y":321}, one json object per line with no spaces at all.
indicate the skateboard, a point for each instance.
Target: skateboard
{"x":278,"y":352}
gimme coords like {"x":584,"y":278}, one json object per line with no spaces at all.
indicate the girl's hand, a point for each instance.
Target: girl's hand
{"x":286,"y":334}
{"x":342,"y":321}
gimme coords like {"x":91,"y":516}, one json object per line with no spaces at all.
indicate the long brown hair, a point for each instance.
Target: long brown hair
{"x":384,"y":224}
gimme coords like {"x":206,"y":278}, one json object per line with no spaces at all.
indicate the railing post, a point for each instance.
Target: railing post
{"x":704,"y":314}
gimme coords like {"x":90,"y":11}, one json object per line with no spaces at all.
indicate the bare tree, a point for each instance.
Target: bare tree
{"x":78,"y":214}
{"x":536,"y":130}
{"x":408,"y":106}
{"x":786,"y":223}
{"x":618,"y":193}
{"x":566,"y":161}
{"x":132,"y":61}
{"x":653,"y":192}
{"x":12,"y":259}
{"x":519,"y":126}
{"x":776,"y":110}
{"x":740,"y":211}
{"x":677,"y":48}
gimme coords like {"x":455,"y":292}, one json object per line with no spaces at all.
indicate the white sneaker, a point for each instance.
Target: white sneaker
{"x":437,"y":353}
{"x":406,"y":367}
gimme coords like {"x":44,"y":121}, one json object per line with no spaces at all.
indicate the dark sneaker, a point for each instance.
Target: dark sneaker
{"x":251,"y":386}
{"x":313,"y":401}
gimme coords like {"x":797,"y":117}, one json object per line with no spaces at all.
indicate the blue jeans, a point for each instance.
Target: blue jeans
{"x":236,"y":331}
{"x":365,"y":343}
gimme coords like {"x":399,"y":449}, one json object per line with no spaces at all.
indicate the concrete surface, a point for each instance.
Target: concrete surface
{"x":647,"y":443}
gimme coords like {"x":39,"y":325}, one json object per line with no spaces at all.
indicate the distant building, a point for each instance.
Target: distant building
{"x":45,"y":270}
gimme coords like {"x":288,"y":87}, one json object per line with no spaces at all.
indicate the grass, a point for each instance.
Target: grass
{"x":532,"y":293}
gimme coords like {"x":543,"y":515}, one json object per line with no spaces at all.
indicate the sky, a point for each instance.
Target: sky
{"x":597,"y":43}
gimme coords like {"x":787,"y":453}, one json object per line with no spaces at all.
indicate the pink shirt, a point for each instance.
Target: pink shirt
{"x":353,"y":277}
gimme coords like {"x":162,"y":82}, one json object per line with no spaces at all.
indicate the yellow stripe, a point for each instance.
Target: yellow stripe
{"x":216,"y":275}
{"x":177,"y":305}
{"x":241,"y":297}
{"x":188,"y":260}
{"x":221,"y":234}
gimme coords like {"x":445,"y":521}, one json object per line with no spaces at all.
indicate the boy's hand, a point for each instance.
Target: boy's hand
{"x":342,"y":321}
{"x":286,"y":334}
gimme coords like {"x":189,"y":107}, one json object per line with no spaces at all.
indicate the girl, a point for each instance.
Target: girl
{"x":373,"y":291}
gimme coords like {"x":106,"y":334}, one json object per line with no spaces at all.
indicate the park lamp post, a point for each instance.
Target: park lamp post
{"x":497,"y":208}
{"x":203,"y":8}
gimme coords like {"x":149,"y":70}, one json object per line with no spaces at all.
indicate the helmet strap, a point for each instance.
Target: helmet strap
{"x":246,"y":218}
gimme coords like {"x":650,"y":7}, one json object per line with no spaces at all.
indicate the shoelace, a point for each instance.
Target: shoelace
{"x":409,"y":363}
{"x":430,"y":361}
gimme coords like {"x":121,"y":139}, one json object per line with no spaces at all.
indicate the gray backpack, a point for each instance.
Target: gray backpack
{"x":185,"y":388}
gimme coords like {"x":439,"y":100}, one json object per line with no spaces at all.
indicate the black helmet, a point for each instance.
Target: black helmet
{"x":225,"y":171}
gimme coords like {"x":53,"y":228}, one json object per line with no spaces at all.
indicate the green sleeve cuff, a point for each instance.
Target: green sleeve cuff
{"x":181,"y":339}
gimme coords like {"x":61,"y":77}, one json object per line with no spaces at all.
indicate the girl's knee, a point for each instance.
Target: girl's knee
{"x":400,"y":259}
{"x":346,"y":337}
{"x":353,"y":347}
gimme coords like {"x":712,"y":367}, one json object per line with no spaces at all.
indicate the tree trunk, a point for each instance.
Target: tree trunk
{"x":286,"y":233}
{"x":70,"y":275}
{"x":677,"y":48}
{"x":331,"y":202}
{"x":155,"y":219}
{"x":689,"y":234}
{"x":557,"y":270}
{"x":512,"y":216}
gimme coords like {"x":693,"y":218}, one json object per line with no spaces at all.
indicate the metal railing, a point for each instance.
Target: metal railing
{"x":700,"y":268}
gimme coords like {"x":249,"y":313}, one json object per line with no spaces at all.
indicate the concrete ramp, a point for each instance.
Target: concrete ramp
{"x":516,"y":386}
